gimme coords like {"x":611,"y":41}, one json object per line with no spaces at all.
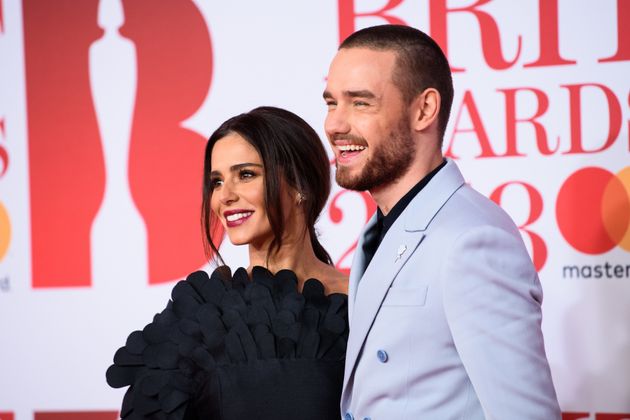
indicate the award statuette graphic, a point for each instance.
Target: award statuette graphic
{"x":119,"y":245}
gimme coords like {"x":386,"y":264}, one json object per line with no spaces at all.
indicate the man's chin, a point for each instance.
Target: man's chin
{"x":349,"y":182}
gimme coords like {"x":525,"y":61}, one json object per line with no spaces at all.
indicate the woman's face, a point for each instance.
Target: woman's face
{"x":238,"y":191}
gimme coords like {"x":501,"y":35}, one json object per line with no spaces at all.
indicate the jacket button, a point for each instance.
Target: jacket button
{"x":348,"y":416}
{"x":382,"y":356}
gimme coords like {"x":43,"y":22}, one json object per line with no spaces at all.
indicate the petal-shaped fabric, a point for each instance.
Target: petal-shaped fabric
{"x":223,"y":324}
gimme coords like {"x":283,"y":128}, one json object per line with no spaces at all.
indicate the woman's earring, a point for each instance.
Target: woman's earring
{"x":300,"y":198}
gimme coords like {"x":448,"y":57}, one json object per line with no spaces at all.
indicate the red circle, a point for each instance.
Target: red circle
{"x":579,"y":210}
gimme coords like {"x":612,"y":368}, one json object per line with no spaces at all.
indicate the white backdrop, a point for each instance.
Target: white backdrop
{"x":101,"y":139}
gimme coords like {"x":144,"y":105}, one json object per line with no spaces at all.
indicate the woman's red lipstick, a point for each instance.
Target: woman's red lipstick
{"x":236,"y":217}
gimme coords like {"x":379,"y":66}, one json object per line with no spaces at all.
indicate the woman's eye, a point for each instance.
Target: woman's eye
{"x":216,"y":182}
{"x":245,"y":174}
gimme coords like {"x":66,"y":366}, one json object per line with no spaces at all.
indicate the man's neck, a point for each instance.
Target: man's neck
{"x":387,"y":195}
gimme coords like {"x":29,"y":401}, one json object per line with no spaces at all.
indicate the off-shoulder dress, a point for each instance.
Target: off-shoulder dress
{"x":231,"y":347}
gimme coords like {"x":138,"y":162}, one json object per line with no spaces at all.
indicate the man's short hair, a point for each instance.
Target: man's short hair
{"x":420,"y":63}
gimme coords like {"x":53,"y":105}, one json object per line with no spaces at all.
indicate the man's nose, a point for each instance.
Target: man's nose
{"x":337,"y":122}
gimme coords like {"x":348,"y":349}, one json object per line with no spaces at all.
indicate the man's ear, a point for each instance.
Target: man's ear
{"x":425,"y":109}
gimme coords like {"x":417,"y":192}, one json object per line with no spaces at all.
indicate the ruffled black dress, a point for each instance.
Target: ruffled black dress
{"x":227,"y":347}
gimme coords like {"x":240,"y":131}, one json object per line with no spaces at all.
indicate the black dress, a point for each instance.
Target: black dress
{"x":227,"y":347}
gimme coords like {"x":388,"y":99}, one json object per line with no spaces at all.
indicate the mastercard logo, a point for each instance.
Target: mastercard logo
{"x":5,"y":231}
{"x":593,"y":210}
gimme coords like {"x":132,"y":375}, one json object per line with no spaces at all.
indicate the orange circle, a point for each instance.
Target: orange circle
{"x":5,"y":231}
{"x":616,"y":209}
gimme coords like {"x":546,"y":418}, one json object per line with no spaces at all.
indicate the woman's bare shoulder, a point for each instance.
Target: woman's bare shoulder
{"x":334,"y":280}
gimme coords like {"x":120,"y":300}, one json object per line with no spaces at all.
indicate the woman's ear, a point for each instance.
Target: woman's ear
{"x":425,"y":109}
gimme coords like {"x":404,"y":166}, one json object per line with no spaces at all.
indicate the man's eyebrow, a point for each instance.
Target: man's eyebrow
{"x":365,"y":94}
{"x":235,"y":168}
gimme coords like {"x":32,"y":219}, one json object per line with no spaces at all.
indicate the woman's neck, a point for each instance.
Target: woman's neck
{"x":295,"y":254}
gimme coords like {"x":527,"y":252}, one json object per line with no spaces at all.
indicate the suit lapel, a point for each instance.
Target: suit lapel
{"x":368,"y":289}
{"x":369,"y":292}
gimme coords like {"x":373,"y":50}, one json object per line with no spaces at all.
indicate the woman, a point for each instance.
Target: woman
{"x":269,"y":341}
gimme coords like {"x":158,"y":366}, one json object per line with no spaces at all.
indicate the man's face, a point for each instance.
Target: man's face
{"x":367,"y":124}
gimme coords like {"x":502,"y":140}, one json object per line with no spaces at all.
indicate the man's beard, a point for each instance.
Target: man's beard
{"x":389,"y":161}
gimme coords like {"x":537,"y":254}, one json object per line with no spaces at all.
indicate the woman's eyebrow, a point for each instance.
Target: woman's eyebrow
{"x":237,"y":167}
{"x":243,"y":165}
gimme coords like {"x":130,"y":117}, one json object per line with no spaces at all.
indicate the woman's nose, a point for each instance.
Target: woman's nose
{"x":227,"y":195}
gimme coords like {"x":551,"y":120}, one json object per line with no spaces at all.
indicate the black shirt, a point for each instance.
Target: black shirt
{"x":383,"y":223}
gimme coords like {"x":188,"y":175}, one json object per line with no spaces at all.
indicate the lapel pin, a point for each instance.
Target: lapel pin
{"x":401,"y":251}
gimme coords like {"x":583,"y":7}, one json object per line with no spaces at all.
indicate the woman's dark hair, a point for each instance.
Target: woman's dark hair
{"x":291,"y":151}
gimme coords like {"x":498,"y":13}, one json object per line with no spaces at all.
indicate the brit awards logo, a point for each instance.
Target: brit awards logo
{"x":110,"y":162}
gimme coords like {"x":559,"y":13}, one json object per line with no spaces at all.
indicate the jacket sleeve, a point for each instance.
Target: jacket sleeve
{"x":492,"y":301}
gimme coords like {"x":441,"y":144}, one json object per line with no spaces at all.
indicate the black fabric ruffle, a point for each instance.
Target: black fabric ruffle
{"x":224,"y":320}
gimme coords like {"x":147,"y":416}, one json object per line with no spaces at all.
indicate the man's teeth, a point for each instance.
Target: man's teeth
{"x":237,"y":216}
{"x":351,"y":148}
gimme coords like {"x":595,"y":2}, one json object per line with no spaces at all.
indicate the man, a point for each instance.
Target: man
{"x":444,"y":300}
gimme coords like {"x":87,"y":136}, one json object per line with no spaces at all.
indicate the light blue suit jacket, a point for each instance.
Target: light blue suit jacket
{"x":445,"y":320}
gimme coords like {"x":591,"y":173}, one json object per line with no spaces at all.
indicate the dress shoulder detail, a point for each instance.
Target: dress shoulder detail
{"x":221,"y":320}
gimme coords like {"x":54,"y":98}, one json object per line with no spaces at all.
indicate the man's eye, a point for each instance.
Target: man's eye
{"x":331,"y":104}
{"x":361,"y":103}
